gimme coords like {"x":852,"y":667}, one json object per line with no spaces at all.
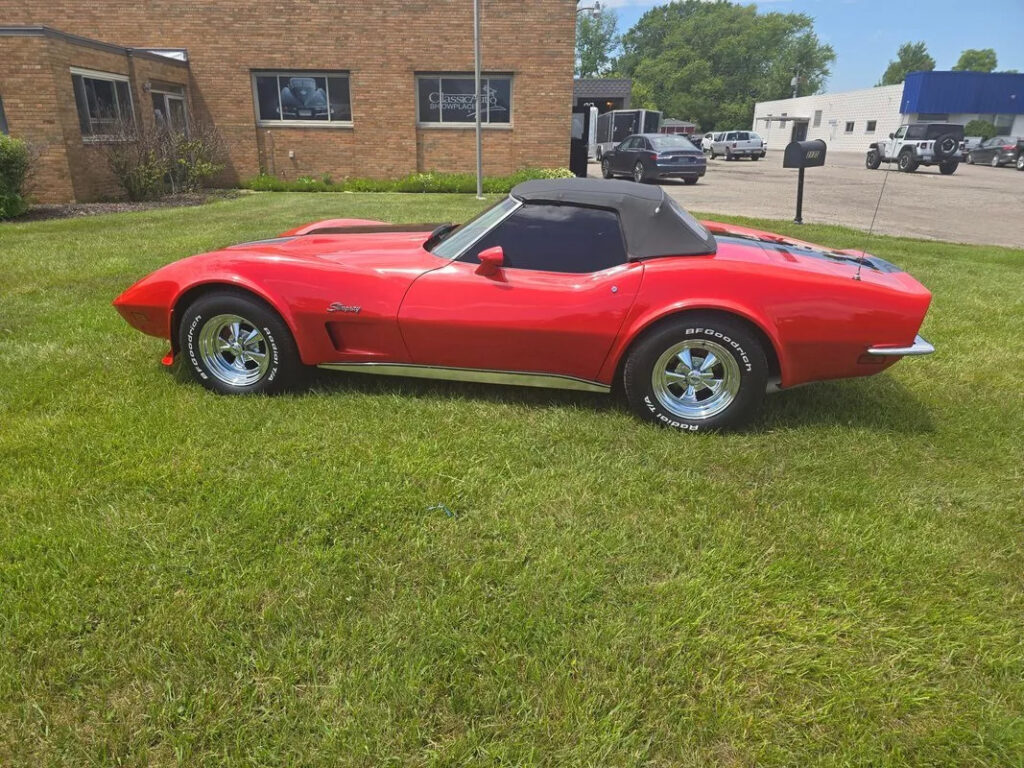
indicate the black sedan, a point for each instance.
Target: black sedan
{"x":999,"y":150}
{"x":651,"y":156}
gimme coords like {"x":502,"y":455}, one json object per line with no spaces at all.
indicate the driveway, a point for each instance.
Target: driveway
{"x":977,"y":204}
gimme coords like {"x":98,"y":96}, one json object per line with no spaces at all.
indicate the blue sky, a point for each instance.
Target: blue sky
{"x":864,"y":41}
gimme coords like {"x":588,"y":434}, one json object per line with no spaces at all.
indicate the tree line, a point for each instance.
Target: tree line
{"x":710,"y":62}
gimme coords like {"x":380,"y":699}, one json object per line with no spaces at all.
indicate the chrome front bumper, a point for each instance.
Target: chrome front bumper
{"x":920,"y":347}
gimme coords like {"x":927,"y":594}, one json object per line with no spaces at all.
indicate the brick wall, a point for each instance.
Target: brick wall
{"x":381,"y":44}
{"x":39,"y":100}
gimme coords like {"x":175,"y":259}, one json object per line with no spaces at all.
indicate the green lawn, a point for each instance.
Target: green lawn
{"x":197,"y":580}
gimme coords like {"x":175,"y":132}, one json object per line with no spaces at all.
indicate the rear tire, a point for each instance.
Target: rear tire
{"x":994,"y":162}
{"x":948,"y":167}
{"x":699,"y":373}
{"x":689,"y":181}
{"x":639,"y":173}
{"x":907,"y":161}
{"x":755,"y":157}
{"x":234,"y":344}
{"x":606,"y":168}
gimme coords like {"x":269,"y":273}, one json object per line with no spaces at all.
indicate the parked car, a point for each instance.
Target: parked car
{"x":737,"y":144}
{"x":708,"y":139}
{"x":999,"y":150}
{"x":651,"y":156}
{"x":567,"y":283}
{"x":919,"y":144}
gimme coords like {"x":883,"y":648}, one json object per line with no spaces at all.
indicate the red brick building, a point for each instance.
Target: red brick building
{"x":296,"y":87}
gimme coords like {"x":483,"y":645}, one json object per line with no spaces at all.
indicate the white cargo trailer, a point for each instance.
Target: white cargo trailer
{"x":614,"y":126}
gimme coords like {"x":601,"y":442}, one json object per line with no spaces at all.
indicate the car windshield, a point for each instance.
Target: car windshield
{"x":669,"y":141}
{"x":461,"y":238}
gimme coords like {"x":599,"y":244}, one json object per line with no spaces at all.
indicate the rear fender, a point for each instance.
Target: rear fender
{"x":637,"y":326}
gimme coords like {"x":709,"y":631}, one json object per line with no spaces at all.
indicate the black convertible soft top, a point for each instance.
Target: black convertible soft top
{"x":653,"y":223}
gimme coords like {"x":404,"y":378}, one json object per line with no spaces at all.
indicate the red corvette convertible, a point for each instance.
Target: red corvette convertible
{"x":568,"y":283}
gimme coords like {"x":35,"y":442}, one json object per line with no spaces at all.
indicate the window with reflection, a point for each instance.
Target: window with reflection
{"x":451,"y":99}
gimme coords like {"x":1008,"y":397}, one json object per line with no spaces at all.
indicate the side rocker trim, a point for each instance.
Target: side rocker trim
{"x":480,"y":375}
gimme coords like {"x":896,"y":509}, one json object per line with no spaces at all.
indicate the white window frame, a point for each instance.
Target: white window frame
{"x":484,"y":122}
{"x":112,"y":77}
{"x":303,"y":73}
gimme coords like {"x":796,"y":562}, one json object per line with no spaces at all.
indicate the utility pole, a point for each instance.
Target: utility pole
{"x":795,"y":82}
{"x":479,"y":97}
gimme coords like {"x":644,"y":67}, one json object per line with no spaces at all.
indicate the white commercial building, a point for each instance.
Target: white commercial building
{"x":851,"y":120}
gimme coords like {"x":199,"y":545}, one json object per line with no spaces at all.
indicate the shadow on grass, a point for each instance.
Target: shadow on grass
{"x":879,"y":403}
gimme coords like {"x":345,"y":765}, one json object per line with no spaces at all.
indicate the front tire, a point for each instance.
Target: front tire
{"x":234,"y":344}
{"x":1020,"y":162}
{"x":873,"y":160}
{"x":702,"y":372}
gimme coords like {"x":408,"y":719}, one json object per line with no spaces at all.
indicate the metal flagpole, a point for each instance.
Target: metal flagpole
{"x":479,"y":138}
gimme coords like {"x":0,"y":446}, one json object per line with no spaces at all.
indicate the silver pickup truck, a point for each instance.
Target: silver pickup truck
{"x":735,"y":144}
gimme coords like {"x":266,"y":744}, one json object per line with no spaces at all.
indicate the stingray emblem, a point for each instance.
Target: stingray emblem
{"x":339,"y":307}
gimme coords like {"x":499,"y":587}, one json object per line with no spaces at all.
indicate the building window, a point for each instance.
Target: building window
{"x":817,"y":118}
{"x":849,"y":126}
{"x":3,"y":117}
{"x":872,"y":124}
{"x":104,"y":104}
{"x":303,"y":98}
{"x":169,"y":108}
{"x":450,"y":100}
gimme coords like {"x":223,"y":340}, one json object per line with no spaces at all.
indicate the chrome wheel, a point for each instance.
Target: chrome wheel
{"x":995,"y":161}
{"x":638,"y":173}
{"x":696,"y":379}
{"x":234,"y":350}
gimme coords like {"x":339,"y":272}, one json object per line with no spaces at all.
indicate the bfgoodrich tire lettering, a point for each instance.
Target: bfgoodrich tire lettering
{"x":701,"y":372}
{"x":234,"y":344}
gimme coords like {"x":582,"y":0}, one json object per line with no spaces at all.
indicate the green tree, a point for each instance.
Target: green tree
{"x":977,"y":60}
{"x":711,"y":61}
{"x":982,"y":128}
{"x":596,"y":40}
{"x":911,"y":57}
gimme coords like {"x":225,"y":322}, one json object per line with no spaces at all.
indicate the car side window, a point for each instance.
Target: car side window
{"x":899,"y":134}
{"x":741,"y":136}
{"x":556,"y":238}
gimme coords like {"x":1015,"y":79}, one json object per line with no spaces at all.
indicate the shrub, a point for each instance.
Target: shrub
{"x":417,"y":182}
{"x":14,"y":167}
{"x":982,"y":128}
{"x":195,"y":156}
{"x":152,"y":161}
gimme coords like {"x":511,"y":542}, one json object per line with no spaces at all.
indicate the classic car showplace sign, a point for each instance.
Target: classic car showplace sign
{"x":465,"y":102}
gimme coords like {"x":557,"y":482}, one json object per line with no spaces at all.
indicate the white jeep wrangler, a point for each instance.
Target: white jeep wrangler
{"x":920,"y":144}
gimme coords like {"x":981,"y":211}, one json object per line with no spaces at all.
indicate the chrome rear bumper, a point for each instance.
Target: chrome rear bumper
{"x":920,"y":347}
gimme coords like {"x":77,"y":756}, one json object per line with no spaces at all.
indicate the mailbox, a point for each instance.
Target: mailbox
{"x":804,"y":154}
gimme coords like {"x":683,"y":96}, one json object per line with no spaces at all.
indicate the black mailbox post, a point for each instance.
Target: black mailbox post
{"x":803,"y":154}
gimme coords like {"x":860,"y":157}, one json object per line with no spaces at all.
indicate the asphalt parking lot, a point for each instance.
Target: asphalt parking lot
{"x":977,"y":204}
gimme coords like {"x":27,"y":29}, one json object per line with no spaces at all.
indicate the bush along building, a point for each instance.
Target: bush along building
{"x":345,"y":89}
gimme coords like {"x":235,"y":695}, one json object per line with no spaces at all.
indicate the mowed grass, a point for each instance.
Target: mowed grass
{"x":188,"y":579}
